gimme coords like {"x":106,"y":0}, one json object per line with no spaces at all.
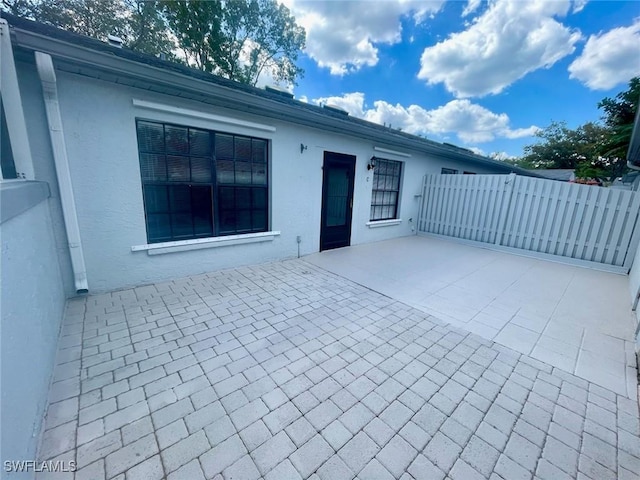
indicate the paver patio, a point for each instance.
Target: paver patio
{"x":287,"y":371}
{"x":574,"y":318}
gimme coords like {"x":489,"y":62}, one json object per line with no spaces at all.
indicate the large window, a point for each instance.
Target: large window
{"x":386,"y":189}
{"x":198,"y":183}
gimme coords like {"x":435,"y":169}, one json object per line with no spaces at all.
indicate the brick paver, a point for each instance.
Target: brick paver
{"x":286,"y":371}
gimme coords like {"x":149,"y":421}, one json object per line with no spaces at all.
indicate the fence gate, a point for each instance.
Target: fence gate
{"x":570,"y":220}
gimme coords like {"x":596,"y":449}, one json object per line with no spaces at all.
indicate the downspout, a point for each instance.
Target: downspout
{"x":47,"y":75}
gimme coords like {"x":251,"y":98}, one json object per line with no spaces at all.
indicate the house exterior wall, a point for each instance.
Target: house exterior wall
{"x":99,"y":126}
{"x":33,"y":298}
{"x":43,"y":164}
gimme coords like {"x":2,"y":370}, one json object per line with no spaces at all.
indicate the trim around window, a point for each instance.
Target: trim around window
{"x":384,"y":223}
{"x":200,"y":243}
{"x":186,"y":112}
{"x":385,"y":194}
{"x":392,"y":152}
{"x":200,"y":184}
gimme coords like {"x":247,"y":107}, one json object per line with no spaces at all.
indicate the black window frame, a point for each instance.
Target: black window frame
{"x":202,"y":188}
{"x":448,"y":171}
{"x":385,"y":191}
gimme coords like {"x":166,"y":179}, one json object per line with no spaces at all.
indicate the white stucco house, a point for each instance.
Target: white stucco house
{"x":120,"y":169}
{"x":163,"y":164}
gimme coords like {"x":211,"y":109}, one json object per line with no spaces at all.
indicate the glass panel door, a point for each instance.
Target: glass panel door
{"x":337,"y":200}
{"x":337,"y":196}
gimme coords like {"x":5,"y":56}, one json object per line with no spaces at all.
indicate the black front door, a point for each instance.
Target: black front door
{"x":337,"y":200}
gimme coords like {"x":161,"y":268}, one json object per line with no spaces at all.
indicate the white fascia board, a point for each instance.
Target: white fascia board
{"x":186,"y":112}
{"x":228,"y":95}
{"x":392,"y":152}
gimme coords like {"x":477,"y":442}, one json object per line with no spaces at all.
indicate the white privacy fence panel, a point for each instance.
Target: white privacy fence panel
{"x":577,"y":221}
{"x":463,"y":206}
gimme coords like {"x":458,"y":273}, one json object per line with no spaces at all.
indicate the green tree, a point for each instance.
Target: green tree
{"x":619,"y":115}
{"x":139,"y":23}
{"x":562,"y":147}
{"x":238,"y":39}
{"x":147,"y":30}
{"x":197,"y":28}
{"x":260,"y":35}
{"x":94,"y":18}
{"x":21,"y":8}
{"x":592,"y":149}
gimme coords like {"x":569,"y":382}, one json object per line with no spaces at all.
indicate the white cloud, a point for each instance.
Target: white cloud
{"x":351,"y":102}
{"x":578,"y":5}
{"x":469,"y":121}
{"x":342,"y":36}
{"x":521,"y":132}
{"x":472,"y":6}
{"x":510,"y":39}
{"x":501,"y":156}
{"x":609,"y":59}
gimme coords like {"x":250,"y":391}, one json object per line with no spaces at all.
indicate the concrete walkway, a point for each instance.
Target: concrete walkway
{"x":285,"y":371}
{"x":573,"y":318}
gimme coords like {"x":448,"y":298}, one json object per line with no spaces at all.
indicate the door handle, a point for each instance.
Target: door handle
{"x":351,"y":204}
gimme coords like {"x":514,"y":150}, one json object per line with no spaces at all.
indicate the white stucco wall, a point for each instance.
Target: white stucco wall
{"x":43,"y":166}
{"x":32,"y":306}
{"x":99,"y":126}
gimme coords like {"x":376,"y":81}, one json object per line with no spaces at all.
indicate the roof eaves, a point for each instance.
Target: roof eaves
{"x":90,"y":53}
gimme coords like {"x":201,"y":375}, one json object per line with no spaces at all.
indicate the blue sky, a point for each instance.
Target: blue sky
{"x":483,"y":75}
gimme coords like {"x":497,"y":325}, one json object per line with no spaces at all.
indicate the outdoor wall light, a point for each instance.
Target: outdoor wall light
{"x":372,"y":163}
{"x":303,"y":147}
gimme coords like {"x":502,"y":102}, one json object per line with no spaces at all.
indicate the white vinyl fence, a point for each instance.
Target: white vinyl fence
{"x":582,"y":222}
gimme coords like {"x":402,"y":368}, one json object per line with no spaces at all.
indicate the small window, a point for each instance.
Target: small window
{"x":386,"y":190}
{"x":198,"y":183}
{"x":6,"y":153}
{"x":468,"y":173}
{"x":449,"y":171}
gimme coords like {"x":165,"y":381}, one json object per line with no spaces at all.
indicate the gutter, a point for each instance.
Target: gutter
{"x":47,"y":75}
{"x":112,"y":62}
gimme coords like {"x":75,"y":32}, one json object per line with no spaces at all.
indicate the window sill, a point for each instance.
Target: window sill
{"x":384,"y":223}
{"x":200,"y":243}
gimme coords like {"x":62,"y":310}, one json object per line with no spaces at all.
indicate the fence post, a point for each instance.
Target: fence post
{"x":421,"y":208}
{"x":633,"y":243}
{"x":506,"y":205}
